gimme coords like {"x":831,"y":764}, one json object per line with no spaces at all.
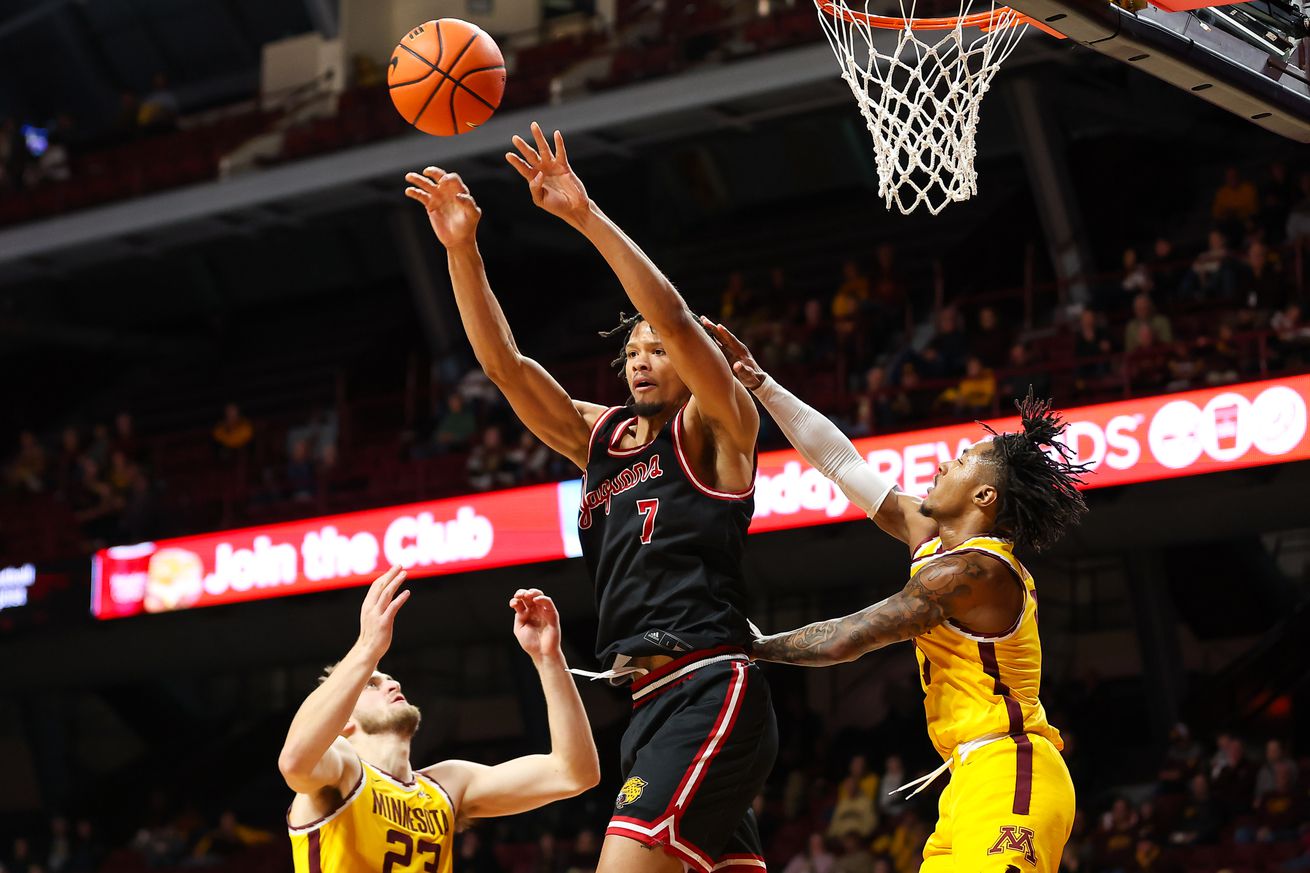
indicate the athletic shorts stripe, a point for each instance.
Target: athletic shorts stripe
{"x":1023,"y":774}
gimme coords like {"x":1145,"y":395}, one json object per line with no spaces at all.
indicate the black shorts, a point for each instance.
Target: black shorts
{"x":701,"y":743}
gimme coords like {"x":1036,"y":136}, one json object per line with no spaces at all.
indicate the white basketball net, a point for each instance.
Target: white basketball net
{"x":919,"y":92}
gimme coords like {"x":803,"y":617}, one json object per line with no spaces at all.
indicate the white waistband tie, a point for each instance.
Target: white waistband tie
{"x":963,"y":749}
{"x":620,"y":669}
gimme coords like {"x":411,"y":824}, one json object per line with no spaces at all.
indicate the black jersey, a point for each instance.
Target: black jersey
{"x":664,"y":549}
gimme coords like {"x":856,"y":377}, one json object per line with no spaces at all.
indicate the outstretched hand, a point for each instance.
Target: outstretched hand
{"x":743,"y":363}
{"x":451,"y":209}
{"x":536,"y":622}
{"x":554,"y":185}
{"x":378,"y":614}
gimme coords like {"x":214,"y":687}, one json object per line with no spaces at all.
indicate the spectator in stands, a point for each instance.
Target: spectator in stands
{"x":738,"y":302}
{"x":140,"y":517}
{"x":1214,"y":274}
{"x":21,"y":857}
{"x":87,"y":851}
{"x":855,"y":856}
{"x":888,"y":296}
{"x":549,"y":857}
{"x":1275,"y":203}
{"x":1223,"y":363}
{"x":851,"y":297}
{"x":1023,"y":373}
{"x":1091,"y":345}
{"x":159,"y":109}
{"x":125,"y":437}
{"x":127,"y":123}
{"x":1260,"y":281}
{"x":1166,"y":272}
{"x":1232,"y":776}
{"x":1280,"y":810}
{"x":905,"y":844}
{"x":93,"y":499}
{"x":976,"y":392}
{"x":1144,"y":315}
{"x":1117,"y":837}
{"x":233,"y":434}
{"x":1290,"y":346}
{"x":320,"y":432}
{"x":475,"y":854}
{"x":990,"y":342}
{"x":228,"y":839}
{"x":1298,"y":218}
{"x":1236,"y":202}
{"x":586,"y":853}
{"x":812,"y":341}
{"x":1136,"y":276}
{"x":27,"y":472}
{"x":489,"y":465}
{"x":68,"y":465}
{"x":909,"y":402}
{"x":946,"y":352}
{"x":120,"y":475}
{"x":59,"y":845}
{"x":893,"y":777}
{"x":457,"y":427}
{"x":814,"y":859}
{"x":301,"y":475}
{"x":1184,"y":366}
{"x":532,"y":459}
{"x":871,"y":406}
{"x":1181,"y":757}
{"x":1267,"y":776}
{"x":1147,"y":365}
{"x":99,"y":447}
{"x":855,"y":812}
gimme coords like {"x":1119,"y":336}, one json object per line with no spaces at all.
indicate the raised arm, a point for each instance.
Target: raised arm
{"x":716,"y":395}
{"x":538,"y":400}
{"x":314,"y":755}
{"x":949,"y":587}
{"x":571,"y":766}
{"x":827,"y":449}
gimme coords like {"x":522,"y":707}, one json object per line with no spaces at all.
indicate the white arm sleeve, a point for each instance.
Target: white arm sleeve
{"x":825,"y":447}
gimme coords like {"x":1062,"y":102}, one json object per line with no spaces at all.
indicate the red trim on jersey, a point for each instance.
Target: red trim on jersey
{"x":315,"y":862}
{"x":1023,"y":588}
{"x":1023,"y":774}
{"x":686,"y":467}
{"x":596,"y":426}
{"x":616,"y":452}
{"x":678,"y":663}
{"x":350,"y":796}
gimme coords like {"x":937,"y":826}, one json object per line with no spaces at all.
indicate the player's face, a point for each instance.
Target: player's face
{"x":958,"y":483}
{"x":651,"y":378}
{"x":382,"y":708}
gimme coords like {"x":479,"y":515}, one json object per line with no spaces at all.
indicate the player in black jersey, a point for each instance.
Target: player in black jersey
{"x":667,"y":497}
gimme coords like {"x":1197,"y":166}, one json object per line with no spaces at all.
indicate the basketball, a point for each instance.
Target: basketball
{"x":446,"y":77}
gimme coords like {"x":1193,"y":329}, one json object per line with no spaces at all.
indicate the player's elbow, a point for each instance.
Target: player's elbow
{"x":293,"y":766}
{"x":582,"y":775}
{"x":501,"y":366}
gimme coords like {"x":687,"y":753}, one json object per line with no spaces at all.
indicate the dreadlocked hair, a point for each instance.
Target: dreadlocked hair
{"x":623,"y":329}
{"x":1038,"y":478}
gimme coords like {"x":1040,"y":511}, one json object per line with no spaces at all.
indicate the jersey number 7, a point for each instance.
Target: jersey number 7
{"x":648,"y":508}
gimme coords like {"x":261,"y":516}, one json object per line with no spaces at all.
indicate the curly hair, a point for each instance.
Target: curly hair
{"x":627,"y":324}
{"x":1037,"y":477}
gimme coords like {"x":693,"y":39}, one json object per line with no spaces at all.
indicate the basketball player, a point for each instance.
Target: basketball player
{"x":668,"y":481}
{"x":359,"y":806}
{"x":970,"y":608}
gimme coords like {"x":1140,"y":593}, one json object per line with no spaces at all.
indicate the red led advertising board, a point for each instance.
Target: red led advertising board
{"x":1128,"y":441}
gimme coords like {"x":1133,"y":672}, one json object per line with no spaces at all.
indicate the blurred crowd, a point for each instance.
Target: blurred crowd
{"x":1225,"y":804}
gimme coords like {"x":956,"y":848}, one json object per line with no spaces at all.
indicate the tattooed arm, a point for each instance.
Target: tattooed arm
{"x":954,"y":586}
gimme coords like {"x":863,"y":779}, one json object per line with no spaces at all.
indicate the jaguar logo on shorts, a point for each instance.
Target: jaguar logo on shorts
{"x":630,"y":791}
{"x":1015,"y":839}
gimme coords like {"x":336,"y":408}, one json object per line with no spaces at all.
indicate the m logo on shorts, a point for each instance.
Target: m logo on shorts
{"x":630,"y":791}
{"x":1013,"y":839}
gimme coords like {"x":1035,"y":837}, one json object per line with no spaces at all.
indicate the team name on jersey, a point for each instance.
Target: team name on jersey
{"x":624,"y":480}
{"x":418,"y":820}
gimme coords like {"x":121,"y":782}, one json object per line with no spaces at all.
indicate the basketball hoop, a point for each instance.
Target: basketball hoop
{"x":920,"y":96}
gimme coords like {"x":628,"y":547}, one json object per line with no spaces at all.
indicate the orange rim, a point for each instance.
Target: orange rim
{"x":1000,"y":16}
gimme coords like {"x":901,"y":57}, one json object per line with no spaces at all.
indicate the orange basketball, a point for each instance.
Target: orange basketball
{"x":446,"y":77}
